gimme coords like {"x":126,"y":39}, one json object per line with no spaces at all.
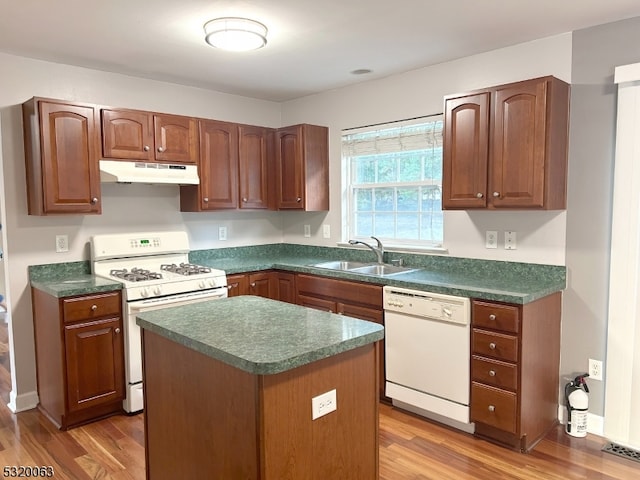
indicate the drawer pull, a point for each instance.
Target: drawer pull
{"x":492,"y":317}
{"x":118,"y":330}
{"x":492,"y":346}
{"x":492,"y":408}
{"x":94,"y":307}
{"x":492,"y":373}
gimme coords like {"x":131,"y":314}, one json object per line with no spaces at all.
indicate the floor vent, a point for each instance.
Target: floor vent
{"x":622,"y":451}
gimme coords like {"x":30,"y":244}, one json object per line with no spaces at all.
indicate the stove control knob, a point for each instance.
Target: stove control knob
{"x":144,"y":293}
{"x":202,"y":284}
{"x":157,"y":291}
{"x":212,"y":283}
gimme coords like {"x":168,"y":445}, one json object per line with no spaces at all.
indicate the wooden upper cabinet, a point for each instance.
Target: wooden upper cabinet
{"x":151,"y":137}
{"x":233,"y":168}
{"x":514,"y":156}
{"x":302,"y":160}
{"x":61,"y":153}
{"x":255,"y":153}
{"x":466,"y":151}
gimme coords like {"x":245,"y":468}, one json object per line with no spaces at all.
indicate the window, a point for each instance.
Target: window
{"x":394,"y":182}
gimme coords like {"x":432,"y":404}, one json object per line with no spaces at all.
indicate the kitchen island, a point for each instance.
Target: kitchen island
{"x":229,"y":387}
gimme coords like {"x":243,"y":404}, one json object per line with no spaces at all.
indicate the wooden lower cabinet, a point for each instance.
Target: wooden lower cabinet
{"x":355,"y":299}
{"x":515,"y":360}
{"x":272,"y":284}
{"x":79,"y":356}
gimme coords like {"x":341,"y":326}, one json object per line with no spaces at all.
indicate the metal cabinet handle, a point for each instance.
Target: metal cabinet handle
{"x":299,"y":199}
{"x":492,"y":408}
{"x":492,"y":373}
{"x":94,"y":307}
{"x":492,"y":317}
{"x":492,"y":346}
{"x":160,"y":149}
{"x":94,"y":200}
{"x":146,"y":148}
{"x":118,"y":330}
{"x":496,"y":194}
{"x":479,"y":195}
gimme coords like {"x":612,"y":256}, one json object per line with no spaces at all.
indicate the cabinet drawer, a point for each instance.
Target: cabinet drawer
{"x":493,"y":372}
{"x":496,"y":345}
{"x":91,"y":306}
{"x":494,"y":407}
{"x":495,"y":316}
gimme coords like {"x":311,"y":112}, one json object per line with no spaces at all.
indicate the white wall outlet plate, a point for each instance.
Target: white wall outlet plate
{"x":491,"y":239}
{"x":222,"y":233}
{"x":510,"y":240}
{"x":326,"y":231}
{"x":595,"y":369}
{"x":323,"y":404}
{"x":62,"y":243}
{"x":307,"y":231}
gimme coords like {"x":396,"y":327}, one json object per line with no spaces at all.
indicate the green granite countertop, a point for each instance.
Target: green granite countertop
{"x":69,"y":279}
{"x":511,"y":282}
{"x":258,"y":335}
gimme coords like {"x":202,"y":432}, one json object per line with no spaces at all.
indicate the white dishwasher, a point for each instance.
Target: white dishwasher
{"x":427,"y":354}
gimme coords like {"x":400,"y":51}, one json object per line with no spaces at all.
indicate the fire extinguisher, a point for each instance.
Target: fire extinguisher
{"x":577,"y":400}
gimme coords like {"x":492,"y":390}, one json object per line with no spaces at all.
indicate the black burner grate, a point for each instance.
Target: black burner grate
{"x":622,"y":451}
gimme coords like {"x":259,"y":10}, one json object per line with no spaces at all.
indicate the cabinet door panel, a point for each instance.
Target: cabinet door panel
{"x":254,"y":164}
{"x":466,"y":151}
{"x":95,"y":370}
{"x":518,"y":156}
{"x":71,"y":179}
{"x":127,"y":134}
{"x":176,"y":139}
{"x":263,"y":284}
{"x":290,"y":168}
{"x":237,"y":285}
{"x":286,"y":287}
{"x":218,"y":165}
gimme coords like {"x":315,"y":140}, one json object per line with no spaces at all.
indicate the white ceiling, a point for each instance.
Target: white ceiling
{"x":313,"y":45}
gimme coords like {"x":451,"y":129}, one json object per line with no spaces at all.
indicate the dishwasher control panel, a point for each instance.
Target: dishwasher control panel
{"x":436,"y":306}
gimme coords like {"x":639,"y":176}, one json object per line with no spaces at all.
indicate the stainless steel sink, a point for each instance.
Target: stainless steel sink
{"x":340,"y":265}
{"x":381,"y":270}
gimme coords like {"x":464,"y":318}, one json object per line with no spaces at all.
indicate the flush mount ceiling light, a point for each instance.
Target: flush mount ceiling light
{"x":235,"y":34}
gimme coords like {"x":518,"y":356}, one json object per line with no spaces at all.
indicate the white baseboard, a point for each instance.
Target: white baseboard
{"x":595,"y":423}
{"x":22,"y":402}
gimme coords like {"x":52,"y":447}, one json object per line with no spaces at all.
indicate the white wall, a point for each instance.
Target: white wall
{"x":541,"y":235}
{"x":30,"y":240}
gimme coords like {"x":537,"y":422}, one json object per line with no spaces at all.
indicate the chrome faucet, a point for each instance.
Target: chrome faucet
{"x":379,"y":250}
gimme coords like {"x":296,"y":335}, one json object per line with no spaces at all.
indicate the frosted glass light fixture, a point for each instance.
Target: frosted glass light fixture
{"x":235,"y":33}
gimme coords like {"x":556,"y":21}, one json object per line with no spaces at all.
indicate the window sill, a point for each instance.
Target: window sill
{"x":403,"y":248}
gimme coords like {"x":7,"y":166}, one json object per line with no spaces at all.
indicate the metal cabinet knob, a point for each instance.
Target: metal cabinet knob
{"x":118,"y":330}
{"x":146,"y":148}
{"x":492,"y":317}
{"x":229,"y":287}
{"x":244,"y":199}
{"x":160,"y":149}
{"x":94,"y":200}
{"x":492,"y":346}
{"x":253,"y":284}
{"x":299,"y":199}
{"x":94,"y":307}
{"x":492,"y":408}
{"x":479,"y":195}
{"x":492,"y":373}
{"x":496,"y":194}
{"x":205,"y":199}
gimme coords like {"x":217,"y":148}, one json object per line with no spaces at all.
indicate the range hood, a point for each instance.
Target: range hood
{"x":114,"y":171}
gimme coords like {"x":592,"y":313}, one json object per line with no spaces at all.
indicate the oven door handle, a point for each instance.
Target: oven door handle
{"x":134,"y":307}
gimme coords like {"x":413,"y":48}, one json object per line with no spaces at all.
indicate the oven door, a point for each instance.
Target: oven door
{"x":133,"y":343}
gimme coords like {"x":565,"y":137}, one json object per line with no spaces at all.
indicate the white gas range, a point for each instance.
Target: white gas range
{"x":155,"y":272}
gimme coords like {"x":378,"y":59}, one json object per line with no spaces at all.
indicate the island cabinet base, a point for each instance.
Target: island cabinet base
{"x":207,"y":419}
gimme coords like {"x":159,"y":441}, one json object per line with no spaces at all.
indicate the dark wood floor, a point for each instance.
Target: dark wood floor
{"x":410,"y":448}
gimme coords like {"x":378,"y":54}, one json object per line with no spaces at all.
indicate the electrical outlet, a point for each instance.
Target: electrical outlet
{"x":62,"y":243}
{"x":510,"y":240}
{"x":307,"y":231}
{"x":222,"y":233}
{"x":323,"y":404}
{"x":595,"y":369}
{"x":491,"y":239}
{"x":326,"y":231}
